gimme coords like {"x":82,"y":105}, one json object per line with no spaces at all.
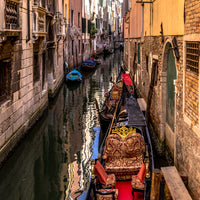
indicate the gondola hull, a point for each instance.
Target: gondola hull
{"x":136,"y":125}
{"x":88,"y":65}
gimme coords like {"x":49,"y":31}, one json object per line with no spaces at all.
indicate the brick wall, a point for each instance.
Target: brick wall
{"x":192,"y":97}
{"x":187,"y":138}
{"x":192,"y":20}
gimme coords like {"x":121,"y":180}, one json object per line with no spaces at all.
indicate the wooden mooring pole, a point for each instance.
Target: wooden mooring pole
{"x":155,"y":185}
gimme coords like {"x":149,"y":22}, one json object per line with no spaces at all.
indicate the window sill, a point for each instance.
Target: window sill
{"x":193,"y":127}
{"x":4,"y":104}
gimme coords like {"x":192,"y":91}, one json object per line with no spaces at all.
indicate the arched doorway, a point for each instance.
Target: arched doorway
{"x":171,"y":77}
{"x":168,"y":98}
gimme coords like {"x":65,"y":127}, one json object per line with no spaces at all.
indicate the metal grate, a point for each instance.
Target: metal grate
{"x":192,"y":56}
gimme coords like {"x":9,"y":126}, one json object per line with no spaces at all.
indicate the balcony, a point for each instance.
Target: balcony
{"x":11,"y":19}
{"x":59,"y":26}
{"x":39,"y":22}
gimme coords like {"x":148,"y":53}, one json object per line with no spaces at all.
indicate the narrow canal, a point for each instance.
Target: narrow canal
{"x":53,"y":161}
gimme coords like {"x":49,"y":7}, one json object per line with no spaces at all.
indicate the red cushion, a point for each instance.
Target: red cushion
{"x":100,"y":172}
{"x":141,"y":173}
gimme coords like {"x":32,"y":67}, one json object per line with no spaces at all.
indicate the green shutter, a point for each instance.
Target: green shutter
{"x":89,"y":26}
{"x":83,"y":25}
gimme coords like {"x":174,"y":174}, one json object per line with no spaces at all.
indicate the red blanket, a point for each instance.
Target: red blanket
{"x":125,"y":191}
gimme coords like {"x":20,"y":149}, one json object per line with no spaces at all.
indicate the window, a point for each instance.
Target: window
{"x":72,"y":47}
{"x":83,"y":25}
{"x":89,"y":26}
{"x":36,"y":67}
{"x":101,"y":3}
{"x":11,"y":15}
{"x":192,"y":57}
{"x":147,"y":63}
{"x":79,"y":20}
{"x":43,"y":68}
{"x":192,"y":82}
{"x":43,"y":3}
{"x":79,"y":46}
{"x":66,"y":11}
{"x":72,"y":17}
{"x":5,"y":79}
{"x":139,"y":53}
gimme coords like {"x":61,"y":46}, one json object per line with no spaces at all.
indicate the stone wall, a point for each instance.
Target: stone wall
{"x":27,"y":98}
{"x":188,"y":125}
{"x":183,"y":143}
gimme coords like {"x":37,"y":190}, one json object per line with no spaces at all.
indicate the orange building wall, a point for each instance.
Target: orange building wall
{"x":135,"y":21}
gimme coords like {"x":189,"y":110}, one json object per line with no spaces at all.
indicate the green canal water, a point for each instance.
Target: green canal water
{"x":52,"y":162}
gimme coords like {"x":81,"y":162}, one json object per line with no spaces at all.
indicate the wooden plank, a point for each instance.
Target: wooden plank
{"x":175,"y":184}
{"x":142,"y":104}
{"x":155,"y":185}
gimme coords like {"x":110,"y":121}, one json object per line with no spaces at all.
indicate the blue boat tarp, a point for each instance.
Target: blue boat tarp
{"x":74,"y":75}
{"x":89,"y":62}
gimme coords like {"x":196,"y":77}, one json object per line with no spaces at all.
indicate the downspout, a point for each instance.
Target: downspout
{"x":129,"y":45}
{"x":142,"y":34}
{"x":28,"y":20}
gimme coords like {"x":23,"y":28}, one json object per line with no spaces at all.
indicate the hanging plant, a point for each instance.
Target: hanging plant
{"x":93,"y":30}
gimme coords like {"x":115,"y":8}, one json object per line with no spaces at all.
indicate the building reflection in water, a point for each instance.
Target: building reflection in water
{"x":53,"y":160}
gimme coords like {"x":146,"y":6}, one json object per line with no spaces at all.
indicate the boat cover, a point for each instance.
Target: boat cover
{"x":74,"y":75}
{"x":135,"y":115}
{"x":89,"y":62}
{"x":127,"y":79}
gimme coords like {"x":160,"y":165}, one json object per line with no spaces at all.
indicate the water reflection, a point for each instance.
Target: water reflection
{"x":53,"y":160}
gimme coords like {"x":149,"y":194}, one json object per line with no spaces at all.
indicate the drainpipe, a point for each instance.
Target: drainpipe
{"x":28,"y":20}
{"x":129,"y":45}
{"x":142,"y":35}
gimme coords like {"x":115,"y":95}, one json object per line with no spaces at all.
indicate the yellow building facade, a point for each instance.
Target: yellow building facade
{"x":168,"y":12}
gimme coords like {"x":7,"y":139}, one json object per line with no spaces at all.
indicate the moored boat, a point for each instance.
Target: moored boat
{"x":97,"y":60}
{"x":111,"y":99}
{"x":124,"y":168}
{"x":88,"y":64}
{"x":74,"y":76}
{"x":123,"y":86}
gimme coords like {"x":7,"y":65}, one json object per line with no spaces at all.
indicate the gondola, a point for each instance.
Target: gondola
{"x":123,"y":169}
{"x":122,"y":86}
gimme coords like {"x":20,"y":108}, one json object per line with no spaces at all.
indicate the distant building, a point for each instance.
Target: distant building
{"x":75,"y":33}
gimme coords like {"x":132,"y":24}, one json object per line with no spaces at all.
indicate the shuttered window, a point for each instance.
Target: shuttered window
{"x":138,"y":53}
{"x":192,"y":57}
{"x":36,"y":67}
{"x":97,"y":23}
{"x":5,"y":79}
{"x":83,"y":25}
{"x":72,"y":17}
{"x":89,"y":26}
{"x":192,"y":82}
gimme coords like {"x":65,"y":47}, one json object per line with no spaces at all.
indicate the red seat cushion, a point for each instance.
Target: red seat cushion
{"x":141,"y":173}
{"x":100,"y":172}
